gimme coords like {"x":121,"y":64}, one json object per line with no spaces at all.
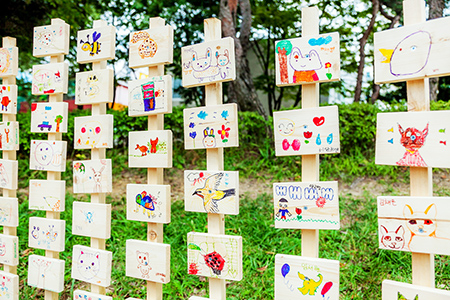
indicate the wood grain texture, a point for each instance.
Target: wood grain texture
{"x":83,"y":295}
{"x":48,"y":155}
{"x":150,"y":149}
{"x":91,"y":265}
{"x":49,"y":117}
{"x":148,"y":203}
{"x":50,"y":79}
{"x":47,"y":195}
{"x":9,"y":212}
{"x":393,"y":290}
{"x":51,"y":40}
{"x":96,"y":44}
{"x":150,"y":96}
{"x":94,"y":87}
{"x":91,"y":219}
{"x":94,"y":132}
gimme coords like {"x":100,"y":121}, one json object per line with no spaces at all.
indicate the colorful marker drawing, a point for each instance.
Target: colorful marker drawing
{"x":150,"y":149}
{"x":49,"y":117}
{"x":8,"y":99}
{"x":46,"y":273}
{"x":150,"y":96}
{"x":148,"y":203}
{"x":393,"y":290}
{"x":92,"y":176}
{"x":94,"y":87}
{"x":50,"y":79}
{"x":51,"y":39}
{"x":9,"y":284}
{"x":9,"y":61}
{"x":48,"y":155}
{"x":96,"y":44}
{"x":91,"y":265}
{"x":94,"y":132}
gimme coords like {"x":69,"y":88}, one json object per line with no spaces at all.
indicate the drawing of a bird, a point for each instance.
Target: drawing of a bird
{"x":211,"y":194}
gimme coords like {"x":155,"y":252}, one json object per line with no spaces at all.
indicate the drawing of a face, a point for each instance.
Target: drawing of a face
{"x":43,"y":153}
{"x":88,"y":264}
{"x":90,"y":134}
{"x":421,"y":223}
{"x":412,"y":138}
{"x":285,"y":127}
{"x":142,"y":258}
{"x":310,"y":61}
{"x":35,"y":232}
{"x":209,"y":140}
{"x":4,"y":60}
{"x":393,"y":239}
{"x":283,"y":203}
{"x":200,"y":64}
{"x":223,"y":59}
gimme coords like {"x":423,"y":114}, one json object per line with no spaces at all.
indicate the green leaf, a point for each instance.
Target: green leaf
{"x":194,"y":247}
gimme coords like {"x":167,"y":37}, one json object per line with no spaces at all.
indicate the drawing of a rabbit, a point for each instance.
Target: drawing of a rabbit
{"x":202,"y":66}
{"x":209,"y":140}
{"x":98,"y":179}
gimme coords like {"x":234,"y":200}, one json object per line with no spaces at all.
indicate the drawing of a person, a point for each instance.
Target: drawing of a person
{"x":282,"y":209}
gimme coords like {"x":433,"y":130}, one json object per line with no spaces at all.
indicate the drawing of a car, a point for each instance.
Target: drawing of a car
{"x":45,"y":125}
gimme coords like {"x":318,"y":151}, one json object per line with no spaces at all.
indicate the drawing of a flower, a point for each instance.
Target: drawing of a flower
{"x":224,"y":133}
{"x":202,"y":115}
{"x":225,"y":114}
{"x":298,"y":210}
{"x":320,"y":202}
{"x":327,"y":65}
{"x":193,"y":134}
{"x":191,"y":125}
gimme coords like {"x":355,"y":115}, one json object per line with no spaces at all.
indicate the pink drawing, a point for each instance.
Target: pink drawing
{"x":295,"y":145}
{"x":412,"y":139}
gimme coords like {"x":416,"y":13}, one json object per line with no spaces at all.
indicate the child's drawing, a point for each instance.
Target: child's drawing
{"x":9,"y":286}
{"x":94,"y":87}
{"x":9,"y":136}
{"x":414,"y":139}
{"x":307,"y":60}
{"x":8,"y":174}
{"x":394,"y":290}
{"x":211,"y":192}
{"x":411,"y":52}
{"x":218,"y":256}
{"x":151,"y":47}
{"x":96,"y":44}
{"x":47,"y":234}
{"x":306,"y":205}
{"x":92,"y":176}
{"x":48,"y":155}
{"x":46,"y":273}
{"x":91,"y":265}
{"x":9,"y":61}
{"x":8,"y":99}
{"x":150,"y":96}
{"x":51,"y":39}
{"x":150,"y":149}
{"x":9,"y":212}
{"x":298,"y":277}
{"x":148,"y":203}
{"x":50,"y":79}
{"x":416,"y":224}
{"x":91,"y":219}
{"x":211,"y":127}
{"x":208,"y":62}
{"x":148,"y":260}
{"x":47,"y":195}
{"x":83,"y":295}
{"x":49,"y":117}
{"x":94,"y":132}
{"x":307,"y":131}
{"x":9,"y":250}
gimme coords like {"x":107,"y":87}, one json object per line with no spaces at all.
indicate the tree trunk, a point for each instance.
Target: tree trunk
{"x":436,"y":11}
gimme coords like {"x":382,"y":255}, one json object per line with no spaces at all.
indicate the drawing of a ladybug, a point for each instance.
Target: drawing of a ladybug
{"x":215,"y":261}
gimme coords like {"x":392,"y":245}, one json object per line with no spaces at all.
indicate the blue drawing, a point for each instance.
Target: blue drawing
{"x":202,"y":115}
{"x":193,"y":134}
{"x":320,"y":41}
{"x":318,"y":140}
{"x":191,"y":125}
{"x":330,"y":139}
{"x":391,"y":141}
{"x":225,"y":114}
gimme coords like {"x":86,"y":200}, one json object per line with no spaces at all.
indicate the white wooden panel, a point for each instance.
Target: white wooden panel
{"x":148,"y":260}
{"x":416,"y":224}
{"x":92,"y":176}
{"x":10,"y":286}
{"x":96,"y":44}
{"x":211,"y":127}
{"x":148,"y":203}
{"x":412,"y":52}
{"x":91,"y":265}
{"x":94,"y":87}
{"x":9,"y":212}
{"x":298,"y":277}
{"x":83,"y":295}
{"x":50,"y":79}
{"x":46,"y":273}
{"x":9,"y":136}
{"x":208,"y":62}
{"x":8,"y":174}
{"x":151,"y":47}
{"x":215,"y":255}
{"x":211,"y":192}
{"x":9,"y":61}
{"x":48,"y":155}
{"x":307,"y":131}
{"x":47,"y":195}
{"x":8,"y":96}
{"x":393,"y":290}
{"x":306,"y":205}
{"x":49,"y":117}
{"x":310,"y":59}
{"x":91,"y":219}
{"x":94,"y":132}
{"x":150,"y":149}
{"x":47,"y":234}
{"x":415,"y":139}
{"x":9,"y":250}
{"x":150,"y":96}
{"x":51,"y":40}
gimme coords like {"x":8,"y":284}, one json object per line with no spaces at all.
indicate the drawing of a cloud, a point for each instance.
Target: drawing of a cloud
{"x":320,"y":41}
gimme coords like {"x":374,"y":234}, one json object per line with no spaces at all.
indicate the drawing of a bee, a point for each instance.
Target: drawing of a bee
{"x":94,"y":47}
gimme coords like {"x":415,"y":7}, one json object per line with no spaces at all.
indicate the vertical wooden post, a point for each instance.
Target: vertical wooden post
{"x":310,"y":163}
{"x":421,"y":183}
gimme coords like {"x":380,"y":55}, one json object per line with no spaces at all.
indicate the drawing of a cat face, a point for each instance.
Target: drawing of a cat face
{"x":412,"y":138}
{"x":89,"y":264}
{"x":393,"y":239}
{"x":142,"y":258}
{"x":421,"y":223}
{"x":401,"y":297}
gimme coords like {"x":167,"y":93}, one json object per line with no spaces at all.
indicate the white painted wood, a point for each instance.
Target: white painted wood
{"x":298,"y":277}
{"x":48,"y":155}
{"x":51,"y":40}
{"x":10,"y":286}
{"x":49,"y":117}
{"x":9,"y":61}
{"x":94,"y":132}
{"x":211,"y":192}
{"x":8,"y":96}
{"x":9,"y":136}
{"x":412,"y":52}
{"x":94,"y":87}
{"x":91,"y":219}
{"x":47,"y":195}
{"x":151,"y":47}
{"x":148,"y":260}
{"x":415,"y":139}
{"x":393,"y":290}
{"x":307,"y":131}
{"x":91,"y":265}
{"x":96,"y":44}
{"x":306,"y":205}
{"x":148,"y":203}
{"x":150,"y":149}
{"x":50,"y":79}
{"x":92,"y":176}
{"x":9,"y":212}
{"x":211,"y":127}
{"x":47,"y":234}
{"x":208,"y":62}
{"x":83,"y":295}
{"x":215,"y":255}
{"x":9,"y":250}
{"x":8,"y":174}
{"x":46,"y":273}
{"x":310,"y":59}
{"x":150,"y":96}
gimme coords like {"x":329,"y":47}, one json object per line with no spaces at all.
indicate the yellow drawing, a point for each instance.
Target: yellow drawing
{"x":148,"y":47}
{"x":309,"y":285}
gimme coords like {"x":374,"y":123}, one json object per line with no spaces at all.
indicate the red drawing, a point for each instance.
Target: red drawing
{"x":307,"y":134}
{"x":142,"y":148}
{"x":193,"y":268}
{"x":320,"y":202}
{"x":153,"y":143}
{"x":444,"y":142}
{"x":295,"y":145}
{"x":318,"y":121}
{"x":412,"y":139}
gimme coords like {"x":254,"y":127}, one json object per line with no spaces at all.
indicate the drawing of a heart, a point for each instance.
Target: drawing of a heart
{"x":318,"y":121}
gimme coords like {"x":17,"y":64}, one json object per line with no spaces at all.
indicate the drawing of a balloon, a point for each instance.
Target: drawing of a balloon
{"x":327,"y":286}
{"x":285,"y":270}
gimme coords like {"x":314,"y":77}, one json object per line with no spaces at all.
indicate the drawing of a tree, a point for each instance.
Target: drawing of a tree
{"x":283,"y":49}
{"x":58,"y":121}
